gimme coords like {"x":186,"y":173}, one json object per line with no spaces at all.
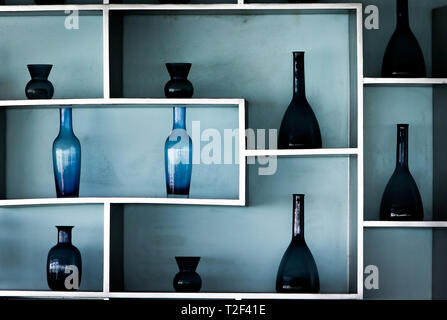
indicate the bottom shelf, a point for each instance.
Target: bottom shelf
{"x":174,"y":295}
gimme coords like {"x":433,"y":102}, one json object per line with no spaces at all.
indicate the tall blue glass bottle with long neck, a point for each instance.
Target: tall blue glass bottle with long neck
{"x":178,"y":156}
{"x":299,"y":127}
{"x":66,"y":157}
{"x":297,"y":272}
{"x":401,"y":199}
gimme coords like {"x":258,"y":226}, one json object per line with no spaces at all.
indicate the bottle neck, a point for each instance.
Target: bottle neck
{"x":299,"y":89}
{"x":64,"y":235}
{"x":298,"y":217}
{"x":402,"y":14}
{"x":179,"y":118}
{"x":402,"y":146}
{"x":66,"y":125}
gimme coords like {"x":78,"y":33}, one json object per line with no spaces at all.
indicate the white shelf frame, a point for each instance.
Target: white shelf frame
{"x":107,"y":101}
{"x":405,"y":81}
{"x":405,"y":224}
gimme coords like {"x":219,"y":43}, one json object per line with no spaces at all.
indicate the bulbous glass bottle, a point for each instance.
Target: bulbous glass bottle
{"x":39,"y":87}
{"x":179,"y":86}
{"x":297,"y":272}
{"x":401,"y":200}
{"x":299,"y":127}
{"x":403,"y":56}
{"x":66,"y":157}
{"x":64,"y":263}
{"x":187,"y":279}
{"x":178,"y":156}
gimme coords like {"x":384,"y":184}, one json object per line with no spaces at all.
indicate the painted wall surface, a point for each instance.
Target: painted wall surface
{"x":76,"y":55}
{"x":241,"y":248}
{"x":404,"y":260}
{"x":28,"y":233}
{"x":246,"y":56}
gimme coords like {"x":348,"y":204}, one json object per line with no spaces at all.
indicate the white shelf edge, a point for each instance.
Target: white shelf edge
{"x":52,"y":8}
{"x":52,"y":294}
{"x":238,"y":6}
{"x":302,"y":152}
{"x":174,"y":295}
{"x":405,"y":224}
{"x":236,"y":296}
{"x":120,"y":101}
{"x":403,"y":81}
{"x":120,"y":200}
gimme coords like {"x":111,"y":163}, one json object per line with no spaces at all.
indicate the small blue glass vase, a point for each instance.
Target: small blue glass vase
{"x":66,"y":158}
{"x":178,"y":157}
{"x":64,"y":263}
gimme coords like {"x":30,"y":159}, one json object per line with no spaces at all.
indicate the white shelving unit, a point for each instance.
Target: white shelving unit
{"x":405,"y":81}
{"x":355,"y":14}
{"x":405,"y":224}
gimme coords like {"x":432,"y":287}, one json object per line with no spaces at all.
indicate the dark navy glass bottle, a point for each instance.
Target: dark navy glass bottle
{"x":401,"y":199}
{"x":187,"y":279}
{"x":178,"y":156}
{"x":66,"y":158}
{"x":297,"y":272}
{"x":403,"y":56}
{"x":64,"y":264}
{"x":299,"y":127}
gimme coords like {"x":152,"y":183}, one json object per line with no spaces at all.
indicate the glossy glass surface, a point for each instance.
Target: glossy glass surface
{"x":403,"y":56}
{"x":179,"y":86}
{"x":178,"y":157}
{"x":187,"y":280}
{"x":298,"y":271}
{"x":66,"y":157}
{"x":64,"y":260}
{"x":299,"y":127}
{"x":401,"y":199}
{"x":39,"y":87}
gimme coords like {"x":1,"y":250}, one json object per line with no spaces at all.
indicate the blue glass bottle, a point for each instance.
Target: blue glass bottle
{"x":63,"y":261}
{"x":178,"y":157}
{"x":66,"y":158}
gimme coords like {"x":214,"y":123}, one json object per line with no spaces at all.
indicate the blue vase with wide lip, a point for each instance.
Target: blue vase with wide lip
{"x":66,"y":157}
{"x":64,"y":263}
{"x":39,"y":87}
{"x":187,"y":279}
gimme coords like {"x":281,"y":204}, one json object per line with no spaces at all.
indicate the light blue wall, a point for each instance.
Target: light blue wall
{"x":404,"y":259}
{"x":241,"y":247}
{"x":247,"y":56}
{"x":375,"y":41}
{"x":76,"y":55}
{"x":28,"y":233}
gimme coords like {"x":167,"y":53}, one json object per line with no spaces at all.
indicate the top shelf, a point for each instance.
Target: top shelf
{"x":404,"y":81}
{"x":59,"y":9}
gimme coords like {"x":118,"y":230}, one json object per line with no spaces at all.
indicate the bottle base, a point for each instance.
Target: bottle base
{"x":182,"y":196}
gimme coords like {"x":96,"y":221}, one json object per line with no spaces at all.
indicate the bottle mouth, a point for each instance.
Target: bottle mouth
{"x":298,"y":195}
{"x":403,"y":125}
{"x":39,"y":70}
{"x":187,"y":263}
{"x":64,"y":227}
